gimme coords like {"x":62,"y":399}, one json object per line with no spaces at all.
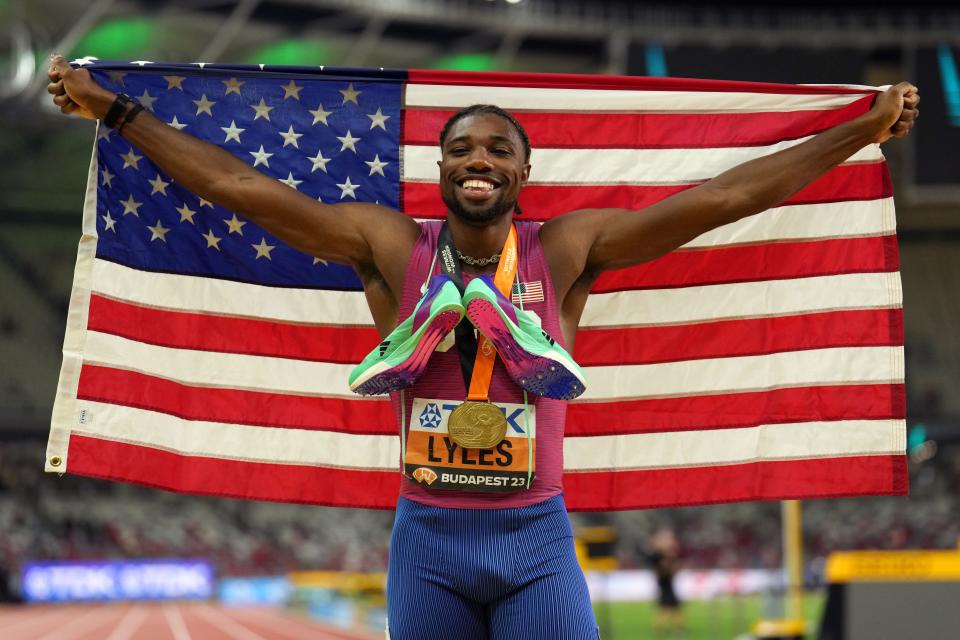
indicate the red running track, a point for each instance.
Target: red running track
{"x":163,"y":621}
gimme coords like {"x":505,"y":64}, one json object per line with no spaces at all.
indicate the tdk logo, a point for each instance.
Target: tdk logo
{"x":383,"y":347}
{"x":430,"y":416}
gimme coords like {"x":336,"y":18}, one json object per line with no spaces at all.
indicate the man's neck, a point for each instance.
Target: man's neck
{"x":479,"y":241}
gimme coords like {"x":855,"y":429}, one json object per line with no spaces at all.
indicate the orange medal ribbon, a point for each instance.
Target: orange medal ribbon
{"x":486,"y":352}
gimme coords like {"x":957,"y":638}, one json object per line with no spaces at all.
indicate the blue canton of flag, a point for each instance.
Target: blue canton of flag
{"x":334,"y":139}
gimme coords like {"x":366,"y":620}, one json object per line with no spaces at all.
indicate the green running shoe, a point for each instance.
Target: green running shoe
{"x":533,"y":359}
{"x":400,"y":359}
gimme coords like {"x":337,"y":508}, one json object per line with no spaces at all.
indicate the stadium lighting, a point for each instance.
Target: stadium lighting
{"x":121,"y":39}
{"x":467,"y":62}
{"x":295,"y":51}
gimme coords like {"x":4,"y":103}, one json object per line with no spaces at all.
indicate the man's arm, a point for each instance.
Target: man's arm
{"x":583,"y":244}
{"x":364,"y":235}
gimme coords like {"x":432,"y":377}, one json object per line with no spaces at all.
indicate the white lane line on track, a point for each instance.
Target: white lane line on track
{"x":177,"y":627}
{"x":226,"y":624}
{"x":316,"y":627}
{"x":35,"y":617}
{"x":92,"y":619}
{"x":129,"y":623}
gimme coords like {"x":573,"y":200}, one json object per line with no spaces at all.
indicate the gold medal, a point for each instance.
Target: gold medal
{"x":477,"y":425}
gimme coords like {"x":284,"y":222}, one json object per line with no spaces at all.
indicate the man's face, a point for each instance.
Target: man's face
{"x":483,"y":168}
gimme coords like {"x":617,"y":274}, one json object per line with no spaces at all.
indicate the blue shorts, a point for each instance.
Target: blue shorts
{"x":486,"y":574}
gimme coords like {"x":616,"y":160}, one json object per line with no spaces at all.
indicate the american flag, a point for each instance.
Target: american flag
{"x":762,"y":360}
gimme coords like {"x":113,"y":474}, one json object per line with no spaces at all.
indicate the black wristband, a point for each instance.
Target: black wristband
{"x":117,"y":109}
{"x":137,"y":108}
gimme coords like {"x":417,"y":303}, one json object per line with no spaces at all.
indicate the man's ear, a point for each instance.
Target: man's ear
{"x":525,"y":175}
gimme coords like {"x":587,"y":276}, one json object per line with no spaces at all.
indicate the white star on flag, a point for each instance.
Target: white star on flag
{"x":213,"y":241}
{"x":290,"y":181}
{"x":233,"y":132}
{"x":263,"y":249}
{"x":261,"y":157}
{"x":146,"y":100}
{"x":159,"y":185}
{"x":290,"y":137}
{"x":130,"y":206}
{"x":235,"y":224}
{"x":158,"y":232}
{"x":350,"y":95}
{"x":376,"y":165}
{"x":347,"y":189}
{"x":186,"y":213}
{"x":319,"y":162}
{"x":107,"y":177}
{"x":263,"y":111}
{"x":291,"y":91}
{"x":109,"y":222}
{"x":319,"y":115}
{"x":174,"y":82}
{"x":233,"y":85}
{"x":130,"y":159}
{"x":348,"y":142}
{"x":176,"y":124}
{"x":378,"y":119}
{"x":205,"y":203}
{"x":204,"y":105}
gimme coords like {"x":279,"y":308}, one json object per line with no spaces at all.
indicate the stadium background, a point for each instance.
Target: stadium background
{"x":731,"y":553}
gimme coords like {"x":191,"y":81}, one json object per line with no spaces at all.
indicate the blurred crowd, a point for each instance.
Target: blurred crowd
{"x":46,"y":517}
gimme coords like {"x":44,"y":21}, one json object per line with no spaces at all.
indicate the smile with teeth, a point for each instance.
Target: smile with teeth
{"x":478,"y":185}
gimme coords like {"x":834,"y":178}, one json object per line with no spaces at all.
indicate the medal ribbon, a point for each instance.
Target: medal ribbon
{"x":480,"y":371}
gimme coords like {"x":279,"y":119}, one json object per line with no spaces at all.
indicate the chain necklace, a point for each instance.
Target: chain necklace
{"x":478,"y":262}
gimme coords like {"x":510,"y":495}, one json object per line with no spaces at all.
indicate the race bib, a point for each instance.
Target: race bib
{"x":435,"y":461}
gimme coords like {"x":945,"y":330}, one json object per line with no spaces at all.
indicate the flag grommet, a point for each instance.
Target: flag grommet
{"x":55,"y":461}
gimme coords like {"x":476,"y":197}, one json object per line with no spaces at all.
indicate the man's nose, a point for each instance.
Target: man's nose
{"x":479,"y":160}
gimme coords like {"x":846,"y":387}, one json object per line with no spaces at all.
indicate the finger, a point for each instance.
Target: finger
{"x":55,"y":88}
{"x":61,"y":65}
{"x":67,"y":109}
{"x":62,"y":100}
{"x":911,"y":100}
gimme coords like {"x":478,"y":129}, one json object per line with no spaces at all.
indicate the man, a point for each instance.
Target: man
{"x":471,"y":563}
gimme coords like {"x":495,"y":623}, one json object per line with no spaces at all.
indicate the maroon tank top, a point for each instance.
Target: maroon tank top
{"x":443,"y":378}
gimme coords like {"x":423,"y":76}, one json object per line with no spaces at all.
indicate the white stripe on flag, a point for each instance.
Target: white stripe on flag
{"x":228,"y":370}
{"x":764,"y":298}
{"x":622,"y":166}
{"x":224,"y":297}
{"x":846,"y":365}
{"x":283,"y":375}
{"x":852,"y":219}
{"x":618,"y":100}
{"x":734,"y":446}
{"x":238,"y":442}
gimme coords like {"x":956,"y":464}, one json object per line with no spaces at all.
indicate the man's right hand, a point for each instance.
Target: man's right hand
{"x":75,"y":92}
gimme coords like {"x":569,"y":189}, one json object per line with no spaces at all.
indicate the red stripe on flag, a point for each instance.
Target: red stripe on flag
{"x":207,"y":332}
{"x":868,"y":181}
{"x":358,"y":416}
{"x":781,"y":480}
{"x":584,"y":81}
{"x":232,"y":478}
{"x":648,"y":130}
{"x":744,"y":337}
{"x":769,"y":261}
{"x":779,"y":406}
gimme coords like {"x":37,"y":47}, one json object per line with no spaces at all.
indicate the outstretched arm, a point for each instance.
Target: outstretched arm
{"x":367,"y":236}
{"x":593,"y":241}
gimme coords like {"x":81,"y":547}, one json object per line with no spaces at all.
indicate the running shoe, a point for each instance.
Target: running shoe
{"x":400,"y":359}
{"x":533,"y":359}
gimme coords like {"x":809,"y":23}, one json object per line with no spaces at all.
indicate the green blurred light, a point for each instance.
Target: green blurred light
{"x":467,"y":62}
{"x":121,"y":39}
{"x":292,"y":52}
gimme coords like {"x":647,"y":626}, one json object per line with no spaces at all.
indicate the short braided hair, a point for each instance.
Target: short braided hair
{"x":483,"y":109}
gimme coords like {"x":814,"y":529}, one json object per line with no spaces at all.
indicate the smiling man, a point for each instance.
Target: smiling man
{"x":482,"y":546}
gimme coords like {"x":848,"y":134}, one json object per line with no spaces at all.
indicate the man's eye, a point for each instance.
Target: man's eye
{"x":500,"y":151}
